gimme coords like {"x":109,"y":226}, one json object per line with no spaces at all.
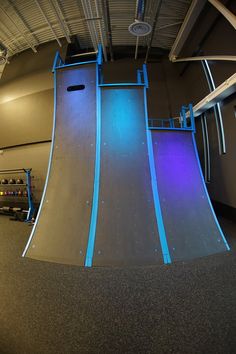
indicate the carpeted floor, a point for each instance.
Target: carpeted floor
{"x":52,"y":308}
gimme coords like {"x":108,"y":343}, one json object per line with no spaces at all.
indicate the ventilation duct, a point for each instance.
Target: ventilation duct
{"x":139,"y":27}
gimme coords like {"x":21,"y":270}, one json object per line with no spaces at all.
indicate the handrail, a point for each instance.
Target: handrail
{"x":185,"y":121}
{"x":14,"y":170}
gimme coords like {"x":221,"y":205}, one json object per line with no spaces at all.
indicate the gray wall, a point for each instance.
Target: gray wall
{"x":26,"y":97}
{"x":26,"y":112}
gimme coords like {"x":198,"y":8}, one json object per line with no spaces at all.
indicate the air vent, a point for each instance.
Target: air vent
{"x":140,"y":28}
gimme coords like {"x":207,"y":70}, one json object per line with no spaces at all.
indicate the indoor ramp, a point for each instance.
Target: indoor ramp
{"x":118,"y":193}
{"x":61,"y":232}
{"x":191,"y":227}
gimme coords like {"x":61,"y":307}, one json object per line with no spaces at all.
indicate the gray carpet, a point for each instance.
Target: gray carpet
{"x":52,"y":308}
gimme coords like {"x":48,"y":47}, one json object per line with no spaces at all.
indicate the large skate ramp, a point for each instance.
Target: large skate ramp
{"x":191,"y":227}
{"x":61,"y":234}
{"x":126,"y":226}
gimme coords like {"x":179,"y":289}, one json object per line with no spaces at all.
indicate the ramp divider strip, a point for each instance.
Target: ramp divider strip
{"x":49,"y":167}
{"x":94,"y":212}
{"x":159,"y":219}
{"x":207,"y":195}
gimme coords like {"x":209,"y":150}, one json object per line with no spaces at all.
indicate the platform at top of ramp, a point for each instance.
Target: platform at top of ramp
{"x":126,"y":227}
{"x":62,"y":230}
{"x":191,"y":227}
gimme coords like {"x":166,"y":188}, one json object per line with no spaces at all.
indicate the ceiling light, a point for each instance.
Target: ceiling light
{"x":140,"y":28}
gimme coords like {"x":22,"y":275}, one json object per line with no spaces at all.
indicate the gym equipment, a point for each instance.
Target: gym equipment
{"x":27,"y":193}
{"x":19,"y":181}
{"x":12,"y":181}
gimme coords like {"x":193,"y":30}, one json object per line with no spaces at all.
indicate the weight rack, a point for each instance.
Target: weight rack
{"x":27,"y":172}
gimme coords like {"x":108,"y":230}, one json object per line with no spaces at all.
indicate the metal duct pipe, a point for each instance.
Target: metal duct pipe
{"x":153,"y":30}
{"x":107,"y":22}
{"x":140,"y":10}
{"x":139,"y":16}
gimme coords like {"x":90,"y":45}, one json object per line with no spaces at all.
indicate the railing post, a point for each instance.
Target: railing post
{"x":192,"y":117}
{"x":145,"y":75}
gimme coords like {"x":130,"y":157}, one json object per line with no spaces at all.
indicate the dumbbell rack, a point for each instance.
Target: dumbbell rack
{"x":27,"y":185}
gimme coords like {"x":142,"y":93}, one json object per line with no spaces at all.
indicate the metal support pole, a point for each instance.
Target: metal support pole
{"x":206,"y":147}
{"x":217,"y":110}
{"x":153,"y":30}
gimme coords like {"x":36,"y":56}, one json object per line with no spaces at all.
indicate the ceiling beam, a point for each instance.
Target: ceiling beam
{"x":6,"y":41}
{"x":169,"y":25}
{"x":206,"y":57}
{"x":224,"y":11}
{"x":187,"y":25}
{"x":47,"y":21}
{"x":19,"y":30}
{"x":61,"y":22}
{"x":221,"y":92}
{"x":17,"y":13}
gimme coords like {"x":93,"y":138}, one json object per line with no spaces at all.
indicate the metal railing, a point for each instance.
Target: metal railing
{"x":184,"y":122}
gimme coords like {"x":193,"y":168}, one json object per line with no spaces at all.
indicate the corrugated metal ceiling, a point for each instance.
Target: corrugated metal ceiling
{"x":28,"y":23}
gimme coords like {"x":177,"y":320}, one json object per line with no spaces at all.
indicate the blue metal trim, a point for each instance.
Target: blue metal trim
{"x":169,"y":128}
{"x":145,"y":76}
{"x":121,"y":84}
{"x":183,"y":115}
{"x":192,"y":117}
{"x":139,"y":78}
{"x":159,"y":219}
{"x":57,"y":56}
{"x":94,"y":213}
{"x":75,"y":64}
{"x":55,"y":61}
{"x":208,"y":198}
{"x":49,"y":168}
{"x":99,"y":55}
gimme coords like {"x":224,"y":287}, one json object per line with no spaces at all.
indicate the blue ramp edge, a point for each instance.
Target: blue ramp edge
{"x":159,"y":218}
{"x":94,"y":213}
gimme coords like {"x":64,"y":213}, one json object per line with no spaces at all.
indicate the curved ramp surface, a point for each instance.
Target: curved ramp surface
{"x":62,"y":231}
{"x":126,"y":226}
{"x":191,"y":227}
